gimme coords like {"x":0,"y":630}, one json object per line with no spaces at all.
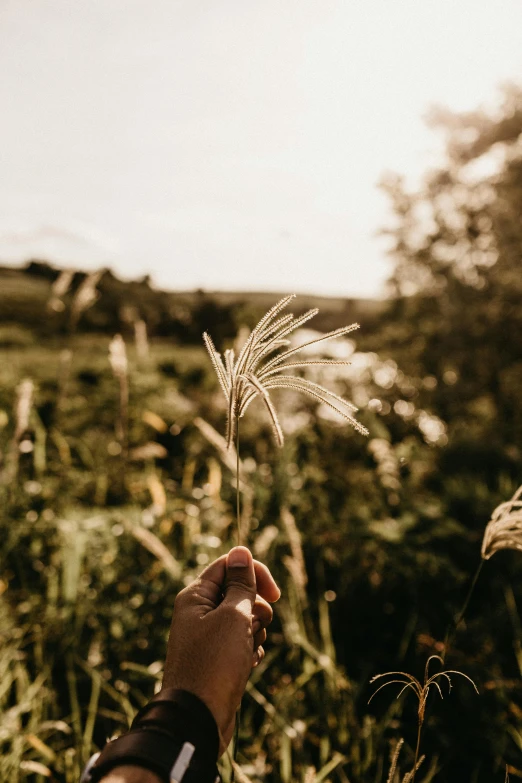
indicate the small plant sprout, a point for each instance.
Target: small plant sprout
{"x":421,"y":691}
{"x":261,"y":367}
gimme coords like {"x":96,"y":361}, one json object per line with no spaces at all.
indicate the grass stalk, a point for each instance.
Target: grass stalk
{"x":76,"y":719}
{"x":238,"y":499}
{"x":417,"y":750}
{"x":91,"y":716}
{"x":238,"y":520}
{"x":123,"y":413}
{"x":515,"y":622}
{"x":453,"y":627}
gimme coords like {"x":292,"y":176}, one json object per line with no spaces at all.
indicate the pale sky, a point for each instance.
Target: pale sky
{"x":230,"y":144}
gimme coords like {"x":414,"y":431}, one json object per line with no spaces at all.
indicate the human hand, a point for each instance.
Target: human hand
{"x":217,"y":634}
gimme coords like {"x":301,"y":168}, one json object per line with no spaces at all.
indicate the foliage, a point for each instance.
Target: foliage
{"x":373,"y":542}
{"x":29,"y":301}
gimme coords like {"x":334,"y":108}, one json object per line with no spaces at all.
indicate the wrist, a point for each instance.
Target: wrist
{"x":199,"y":694}
{"x":174,"y":737}
{"x":182,"y":713}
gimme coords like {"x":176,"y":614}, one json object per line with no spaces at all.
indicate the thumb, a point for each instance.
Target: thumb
{"x":240,"y":581}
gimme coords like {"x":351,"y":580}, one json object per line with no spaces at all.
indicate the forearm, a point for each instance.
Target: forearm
{"x":130,"y":774}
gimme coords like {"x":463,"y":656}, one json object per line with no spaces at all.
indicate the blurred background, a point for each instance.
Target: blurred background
{"x":170,"y":169}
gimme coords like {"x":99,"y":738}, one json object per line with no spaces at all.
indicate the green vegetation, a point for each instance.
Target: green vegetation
{"x":105,"y":513}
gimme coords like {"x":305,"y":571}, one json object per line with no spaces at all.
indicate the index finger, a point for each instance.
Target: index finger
{"x":265,"y":583}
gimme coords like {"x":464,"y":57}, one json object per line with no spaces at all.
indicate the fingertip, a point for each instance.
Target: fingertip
{"x":239,"y":557}
{"x":240,"y":580}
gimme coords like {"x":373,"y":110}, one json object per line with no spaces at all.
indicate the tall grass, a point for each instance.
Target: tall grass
{"x":91,"y":564}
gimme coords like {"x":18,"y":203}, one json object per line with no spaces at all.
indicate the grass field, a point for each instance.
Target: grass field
{"x":98,"y":534}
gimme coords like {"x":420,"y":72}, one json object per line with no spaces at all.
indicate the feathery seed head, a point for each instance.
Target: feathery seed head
{"x":504,"y":530}
{"x":421,"y":690}
{"x":258,"y":367}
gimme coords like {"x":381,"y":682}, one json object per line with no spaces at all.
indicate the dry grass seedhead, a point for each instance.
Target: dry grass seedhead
{"x":504,"y":530}
{"x":86,"y":295}
{"x":59,"y":288}
{"x":394,"y":760}
{"x":156,"y":547}
{"x":118,"y":356}
{"x":421,"y":690}
{"x":24,"y":403}
{"x":22,"y":415}
{"x":141,"y":340}
{"x":410,"y":776}
{"x":119,"y":365}
{"x":257,"y":369}
{"x":296,"y":563}
{"x":62,"y":283}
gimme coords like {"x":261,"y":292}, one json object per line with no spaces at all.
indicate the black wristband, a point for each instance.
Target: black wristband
{"x":174,"y":735}
{"x":181,"y":713}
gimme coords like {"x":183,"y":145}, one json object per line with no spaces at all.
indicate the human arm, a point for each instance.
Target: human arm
{"x":217,"y":633}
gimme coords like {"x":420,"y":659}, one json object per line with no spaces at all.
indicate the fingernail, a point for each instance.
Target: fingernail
{"x":237,"y":558}
{"x":256,"y":626}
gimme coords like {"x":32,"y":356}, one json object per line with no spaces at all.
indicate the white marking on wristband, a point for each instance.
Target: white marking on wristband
{"x":177,"y":773}
{"x":86,"y":774}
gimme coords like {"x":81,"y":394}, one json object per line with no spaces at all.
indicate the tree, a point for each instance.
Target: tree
{"x":454,"y":325}
{"x":457,"y":251}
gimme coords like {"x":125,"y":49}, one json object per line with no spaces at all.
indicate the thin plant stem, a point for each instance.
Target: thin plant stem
{"x":419,"y":731}
{"x":238,"y":502}
{"x":453,"y":627}
{"x":470,"y":593}
{"x":91,"y":716}
{"x":238,"y":520}
{"x":76,"y":719}
{"x":122,"y":424}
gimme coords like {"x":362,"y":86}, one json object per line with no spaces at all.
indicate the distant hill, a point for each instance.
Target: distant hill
{"x":28,"y":299}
